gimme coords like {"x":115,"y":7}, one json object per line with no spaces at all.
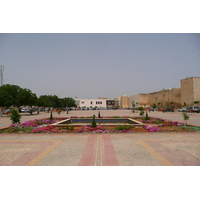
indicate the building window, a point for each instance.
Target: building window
{"x":82,"y":102}
{"x":98,"y":102}
{"x":91,"y":102}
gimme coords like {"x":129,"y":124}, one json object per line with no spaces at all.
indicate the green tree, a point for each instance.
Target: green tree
{"x":141,"y":112}
{"x":49,"y":101}
{"x":68,"y":102}
{"x":154,"y":106}
{"x":51,"y":116}
{"x":25,"y":97}
{"x":184,"y":104}
{"x":94,"y":122}
{"x":185,"y":117}
{"x":13,"y":91}
{"x":20,"y":96}
{"x":140,"y":108}
{"x":147,"y":117}
{"x":15,"y":116}
{"x":133,"y":105}
{"x":5,"y":100}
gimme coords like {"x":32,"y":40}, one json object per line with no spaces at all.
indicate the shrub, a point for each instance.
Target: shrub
{"x":27,"y":129}
{"x":146,"y":117}
{"x":141,"y":112}
{"x":140,"y":108}
{"x":185,"y":117}
{"x":123,"y":127}
{"x":51,"y":116}
{"x":15,"y":116}
{"x":152,"y":128}
{"x":158,"y":121}
{"x":69,"y":128}
{"x":94,"y":122}
{"x":59,"y":111}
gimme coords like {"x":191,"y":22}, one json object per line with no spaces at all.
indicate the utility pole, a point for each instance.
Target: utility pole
{"x":1,"y":74}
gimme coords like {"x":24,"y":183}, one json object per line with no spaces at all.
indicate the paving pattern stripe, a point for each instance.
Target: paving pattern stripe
{"x":109,"y":156}
{"x":178,"y":157}
{"x":99,"y":151}
{"x":21,"y":141}
{"x":89,"y":153}
{"x":28,"y":155}
{"x":155,"y":154}
{"x":98,"y":155}
{"x":42,"y":155}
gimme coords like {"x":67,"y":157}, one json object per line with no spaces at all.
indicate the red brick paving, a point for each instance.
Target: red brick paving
{"x":88,"y":157}
{"x":99,"y":151}
{"x":180,"y":149}
{"x":109,"y":157}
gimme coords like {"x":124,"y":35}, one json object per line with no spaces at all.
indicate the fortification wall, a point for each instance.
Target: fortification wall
{"x":190,"y":90}
{"x":196,"y":87}
{"x":166,"y":98}
{"x":125,"y":101}
{"x":188,"y":93}
{"x":142,"y":99}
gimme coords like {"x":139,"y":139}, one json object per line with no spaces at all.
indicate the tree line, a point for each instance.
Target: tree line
{"x":13,"y":95}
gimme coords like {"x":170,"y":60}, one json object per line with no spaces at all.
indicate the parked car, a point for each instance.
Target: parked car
{"x":193,"y":109}
{"x":161,"y":109}
{"x":149,"y":109}
{"x":24,"y":110}
{"x":31,"y":110}
{"x":169,"y":109}
{"x":7,"y":111}
{"x":182,"y":110}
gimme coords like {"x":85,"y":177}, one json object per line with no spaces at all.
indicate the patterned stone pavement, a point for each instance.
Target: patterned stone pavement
{"x":131,"y":149}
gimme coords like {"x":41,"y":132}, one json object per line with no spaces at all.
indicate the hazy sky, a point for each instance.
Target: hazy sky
{"x":98,"y":65}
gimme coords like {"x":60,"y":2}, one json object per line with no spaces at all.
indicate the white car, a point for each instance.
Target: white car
{"x":24,"y":110}
{"x":193,"y":109}
{"x":182,"y":110}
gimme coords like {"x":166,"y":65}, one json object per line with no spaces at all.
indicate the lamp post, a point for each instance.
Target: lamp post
{"x":1,"y":74}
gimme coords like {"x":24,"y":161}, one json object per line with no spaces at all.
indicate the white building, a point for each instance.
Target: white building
{"x":90,"y":103}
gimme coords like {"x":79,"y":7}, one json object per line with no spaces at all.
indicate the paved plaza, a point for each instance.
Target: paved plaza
{"x":114,"y":149}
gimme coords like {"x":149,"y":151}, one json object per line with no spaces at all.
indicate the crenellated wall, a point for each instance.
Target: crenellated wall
{"x":166,"y":98}
{"x":188,"y":93}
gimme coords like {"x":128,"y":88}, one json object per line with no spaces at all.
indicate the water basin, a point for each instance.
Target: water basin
{"x":99,"y":121}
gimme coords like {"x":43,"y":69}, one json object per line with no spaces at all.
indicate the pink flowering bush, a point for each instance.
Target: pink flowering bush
{"x":89,"y":128}
{"x":161,"y":122}
{"x":45,"y":126}
{"x":152,"y":128}
{"x":101,"y":129}
{"x":46,"y":129}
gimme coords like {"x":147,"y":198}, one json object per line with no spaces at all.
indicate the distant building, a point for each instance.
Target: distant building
{"x":125,"y":102}
{"x":122,"y":102}
{"x":187,"y":93}
{"x":90,"y":103}
{"x":110,"y":103}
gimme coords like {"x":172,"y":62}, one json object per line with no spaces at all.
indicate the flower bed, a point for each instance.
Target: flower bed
{"x":150,"y":125}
